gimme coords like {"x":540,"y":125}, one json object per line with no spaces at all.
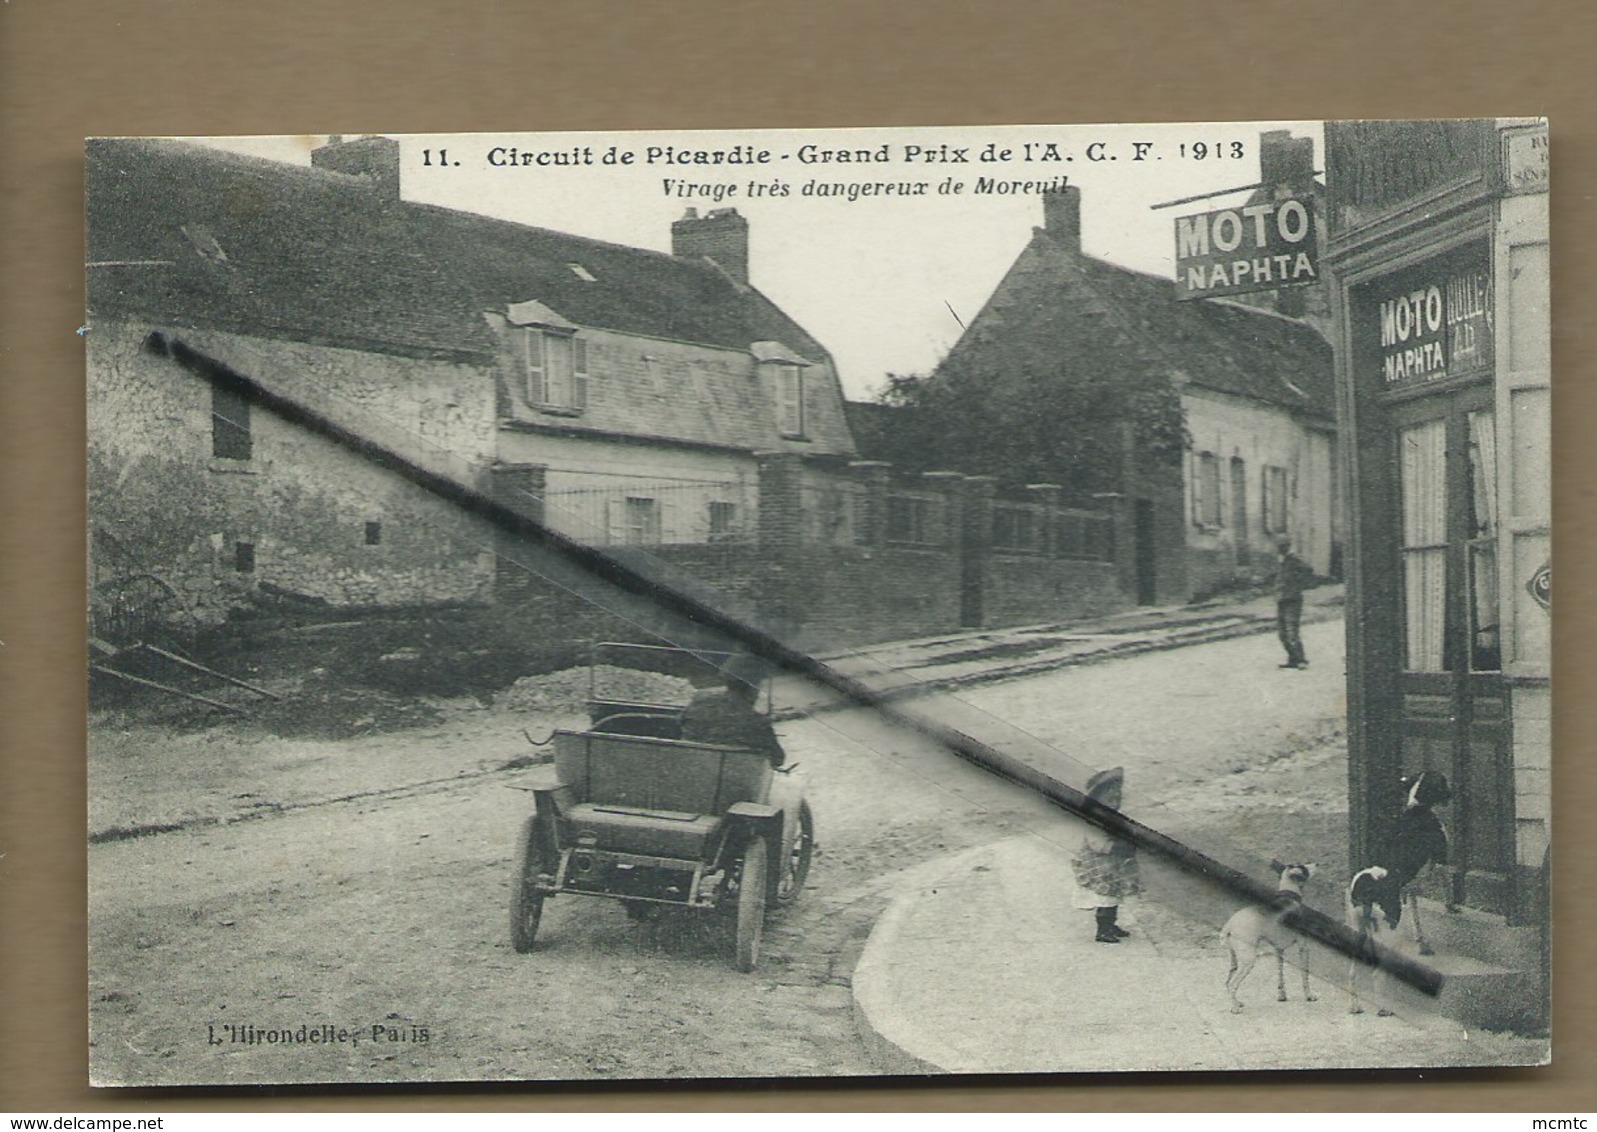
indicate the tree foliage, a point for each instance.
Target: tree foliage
{"x":1038,"y":421}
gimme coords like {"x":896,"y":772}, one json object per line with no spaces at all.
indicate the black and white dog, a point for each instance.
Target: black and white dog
{"x":1376,"y":896}
{"x":1261,"y":926}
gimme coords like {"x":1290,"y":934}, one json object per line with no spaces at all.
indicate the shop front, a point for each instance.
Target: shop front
{"x":1438,"y":255}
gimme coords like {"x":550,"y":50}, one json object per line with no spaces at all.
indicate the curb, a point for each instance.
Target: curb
{"x":868,"y":996}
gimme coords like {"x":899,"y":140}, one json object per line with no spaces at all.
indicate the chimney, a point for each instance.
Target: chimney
{"x":1286,"y":162}
{"x":375,"y":158}
{"x":722,"y":235}
{"x":1061,"y":216}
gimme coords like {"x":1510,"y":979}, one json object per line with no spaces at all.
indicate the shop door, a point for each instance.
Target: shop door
{"x":1454,"y":703}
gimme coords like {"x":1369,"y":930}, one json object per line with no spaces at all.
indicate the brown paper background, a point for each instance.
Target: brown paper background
{"x":71,"y":68}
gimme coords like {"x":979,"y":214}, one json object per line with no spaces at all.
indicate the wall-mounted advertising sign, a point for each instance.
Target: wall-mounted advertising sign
{"x":1430,"y":322}
{"x":1257,"y":247}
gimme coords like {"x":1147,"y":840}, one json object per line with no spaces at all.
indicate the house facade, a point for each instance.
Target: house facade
{"x":622,"y":396}
{"x":1254,"y":389}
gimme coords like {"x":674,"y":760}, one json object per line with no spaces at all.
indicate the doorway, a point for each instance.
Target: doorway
{"x":1146,"y":553}
{"x":1454,"y":702}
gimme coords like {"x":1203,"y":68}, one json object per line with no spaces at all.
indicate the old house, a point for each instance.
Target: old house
{"x":1254,"y":389}
{"x":625,"y":396}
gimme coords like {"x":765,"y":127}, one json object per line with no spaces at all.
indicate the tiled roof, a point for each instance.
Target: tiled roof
{"x":190,"y":236}
{"x":1104,"y":318}
{"x":323,"y":256}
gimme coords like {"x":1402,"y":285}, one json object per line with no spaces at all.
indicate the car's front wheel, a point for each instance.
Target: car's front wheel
{"x":751,"y":905}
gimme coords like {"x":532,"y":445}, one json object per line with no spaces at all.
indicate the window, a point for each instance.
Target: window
{"x":913,"y":519}
{"x":244,"y":557}
{"x":374,"y":534}
{"x":1014,"y":528}
{"x":1275,"y":501}
{"x":723,"y":521}
{"x":790,"y":399}
{"x":1206,"y":490}
{"x":1239,"y":508}
{"x":230,"y":424}
{"x":556,"y":367}
{"x":1422,"y":461}
{"x":642,"y":521}
{"x":864,"y":519}
{"x":1486,"y":654}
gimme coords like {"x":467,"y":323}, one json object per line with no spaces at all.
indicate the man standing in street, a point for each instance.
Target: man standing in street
{"x":1293,"y":576}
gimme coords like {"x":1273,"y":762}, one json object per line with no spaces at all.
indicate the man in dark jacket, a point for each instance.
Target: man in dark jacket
{"x":1293,"y":576}
{"x":727,"y":716}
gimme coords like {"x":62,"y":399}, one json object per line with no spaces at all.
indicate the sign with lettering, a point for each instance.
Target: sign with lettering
{"x":1430,"y":322}
{"x":1525,"y":161}
{"x":1257,"y":247}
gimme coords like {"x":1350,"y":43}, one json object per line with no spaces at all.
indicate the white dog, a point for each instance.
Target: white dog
{"x":1262,"y":925}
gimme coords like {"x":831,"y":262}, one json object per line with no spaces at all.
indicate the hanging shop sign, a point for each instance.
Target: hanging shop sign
{"x":1258,"y":247}
{"x":1430,"y":322}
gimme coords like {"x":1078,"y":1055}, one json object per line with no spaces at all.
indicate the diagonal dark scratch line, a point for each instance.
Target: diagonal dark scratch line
{"x":700,"y":613}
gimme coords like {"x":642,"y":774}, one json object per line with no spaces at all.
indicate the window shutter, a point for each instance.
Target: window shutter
{"x":791,"y":392}
{"x":665,"y":525}
{"x":615,"y":521}
{"x":1197,"y":489}
{"x":533,"y":356}
{"x":579,"y":377}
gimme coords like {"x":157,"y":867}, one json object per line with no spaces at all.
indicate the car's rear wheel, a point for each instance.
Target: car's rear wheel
{"x":796,"y":867}
{"x":526,"y":900}
{"x":751,"y":905}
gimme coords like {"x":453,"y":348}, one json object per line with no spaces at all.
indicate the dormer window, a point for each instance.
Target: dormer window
{"x":782,"y":373}
{"x":582,"y":273}
{"x":555,"y":364}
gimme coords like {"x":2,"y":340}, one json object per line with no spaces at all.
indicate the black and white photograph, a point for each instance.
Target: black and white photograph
{"x":826,"y":603}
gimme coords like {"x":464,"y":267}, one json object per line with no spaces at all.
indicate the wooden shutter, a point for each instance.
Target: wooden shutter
{"x":579,"y":374}
{"x":532,"y":356}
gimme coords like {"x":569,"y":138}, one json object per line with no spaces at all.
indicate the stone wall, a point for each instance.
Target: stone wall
{"x":300,"y":516}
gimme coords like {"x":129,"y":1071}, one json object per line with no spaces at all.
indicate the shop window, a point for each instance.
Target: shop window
{"x":1485,"y":647}
{"x":1422,"y":460}
{"x":231,"y":438}
{"x":556,"y":369}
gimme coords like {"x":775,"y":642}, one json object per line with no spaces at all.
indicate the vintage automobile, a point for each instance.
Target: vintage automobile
{"x":635,"y":813}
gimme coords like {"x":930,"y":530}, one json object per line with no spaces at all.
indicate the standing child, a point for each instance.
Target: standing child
{"x":1105,"y":866}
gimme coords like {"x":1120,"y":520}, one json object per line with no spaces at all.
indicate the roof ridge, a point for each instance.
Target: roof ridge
{"x":189,"y":149}
{"x":577,"y":236}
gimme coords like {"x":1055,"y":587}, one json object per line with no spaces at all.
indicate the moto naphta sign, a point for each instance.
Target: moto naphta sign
{"x":1257,"y":247}
{"x":1431,"y":322}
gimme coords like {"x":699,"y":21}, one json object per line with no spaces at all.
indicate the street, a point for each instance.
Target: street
{"x":376,"y":919}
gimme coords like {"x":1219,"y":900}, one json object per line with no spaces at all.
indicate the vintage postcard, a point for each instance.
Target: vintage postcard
{"x":818,"y":603}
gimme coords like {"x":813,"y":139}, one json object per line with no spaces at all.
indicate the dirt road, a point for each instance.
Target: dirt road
{"x":366,"y":937}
